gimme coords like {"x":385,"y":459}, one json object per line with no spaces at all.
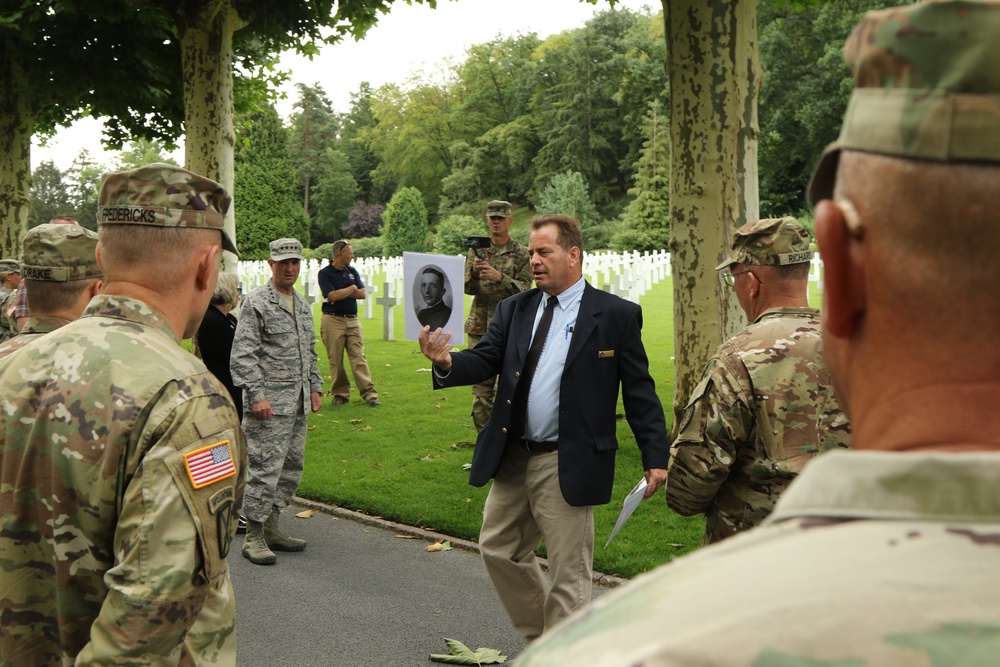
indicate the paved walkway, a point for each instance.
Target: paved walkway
{"x":360,"y":595}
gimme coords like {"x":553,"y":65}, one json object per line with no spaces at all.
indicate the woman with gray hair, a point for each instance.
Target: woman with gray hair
{"x":215,"y":335}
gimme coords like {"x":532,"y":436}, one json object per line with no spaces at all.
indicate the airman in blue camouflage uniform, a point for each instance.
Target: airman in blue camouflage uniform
{"x":274,"y":361}
{"x":60,"y":264}
{"x":886,"y":555}
{"x":765,"y":405}
{"x":122,"y":462}
{"x":504,"y":270}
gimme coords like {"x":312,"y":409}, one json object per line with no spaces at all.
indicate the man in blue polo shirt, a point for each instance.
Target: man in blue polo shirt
{"x":341,"y":287}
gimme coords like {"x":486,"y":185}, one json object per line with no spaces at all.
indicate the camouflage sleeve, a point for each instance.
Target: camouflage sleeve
{"x":243,"y":361}
{"x":176,"y":524}
{"x":520,"y":279}
{"x":516,"y":271}
{"x":8,"y":317}
{"x":471,"y":280}
{"x":717,"y":417}
{"x":315,"y":377}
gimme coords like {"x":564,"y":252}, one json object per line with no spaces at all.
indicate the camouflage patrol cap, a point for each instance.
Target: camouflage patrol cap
{"x":770,"y":242}
{"x":9,"y":266}
{"x":60,"y":253}
{"x":927,"y":86}
{"x":286,"y":249}
{"x":498,"y":209}
{"x":163,"y":195}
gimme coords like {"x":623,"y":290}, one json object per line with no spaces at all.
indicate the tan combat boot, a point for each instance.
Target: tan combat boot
{"x":276,"y":539}
{"x":255,"y":546}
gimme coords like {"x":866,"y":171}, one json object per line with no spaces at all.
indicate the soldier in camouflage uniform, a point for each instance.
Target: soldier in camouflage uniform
{"x":22,"y":312}
{"x":10,"y":276}
{"x":887,"y":554}
{"x":765,"y":403}
{"x":60,"y":264}
{"x":274,"y":361}
{"x":122,"y":462}
{"x":504,"y":272}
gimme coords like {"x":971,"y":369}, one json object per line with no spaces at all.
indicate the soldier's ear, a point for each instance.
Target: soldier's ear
{"x":206,"y":270}
{"x":841,"y":247}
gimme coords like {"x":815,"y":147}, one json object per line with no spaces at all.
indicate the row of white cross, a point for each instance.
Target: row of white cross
{"x":628,"y":274}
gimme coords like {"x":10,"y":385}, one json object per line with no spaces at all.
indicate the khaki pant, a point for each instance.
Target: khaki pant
{"x":525,"y":506}
{"x":343,"y":334}
{"x":483,"y":393}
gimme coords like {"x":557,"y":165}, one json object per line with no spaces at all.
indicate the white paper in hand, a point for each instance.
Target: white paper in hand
{"x":631,"y":501}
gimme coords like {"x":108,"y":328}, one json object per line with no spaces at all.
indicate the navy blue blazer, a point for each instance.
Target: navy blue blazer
{"x":605,"y":353}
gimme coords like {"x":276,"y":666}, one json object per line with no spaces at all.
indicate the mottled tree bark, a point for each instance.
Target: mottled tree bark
{"x":210,"y":137}
{"x":714,"y":77}
{"x":17,"y":123}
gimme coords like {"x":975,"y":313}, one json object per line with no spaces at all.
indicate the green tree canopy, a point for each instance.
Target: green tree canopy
{"x":50,"y":194}
{"x":336,"y":193}
{"x":646,"y":221}
{"x":265,"y":187}
{"x":567,"y":194}
{"x":804,"y":95}
{"x":313,"y":132}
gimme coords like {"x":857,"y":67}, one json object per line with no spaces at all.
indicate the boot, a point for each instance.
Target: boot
{"x":255,"y":547}
{"x":276,"y":539}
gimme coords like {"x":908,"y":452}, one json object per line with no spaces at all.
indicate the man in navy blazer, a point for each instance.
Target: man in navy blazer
{"x":552,"y":457}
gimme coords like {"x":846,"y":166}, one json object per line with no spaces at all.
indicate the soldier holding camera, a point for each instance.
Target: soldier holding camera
{"x":492,"y":274}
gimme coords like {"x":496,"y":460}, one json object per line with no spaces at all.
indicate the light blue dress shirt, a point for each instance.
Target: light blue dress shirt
{"x":542,"y":422}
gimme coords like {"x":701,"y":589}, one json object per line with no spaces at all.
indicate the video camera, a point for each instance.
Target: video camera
{"x":477,"y":243}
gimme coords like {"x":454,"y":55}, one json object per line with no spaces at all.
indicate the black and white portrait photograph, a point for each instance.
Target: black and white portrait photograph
{"x":434,"y":294}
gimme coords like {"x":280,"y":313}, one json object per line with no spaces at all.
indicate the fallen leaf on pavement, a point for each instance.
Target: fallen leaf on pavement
{"x":304,"y":514}
{"x":460,"y":654}
{"x":406,"y":537}
{"x":440,"y":546}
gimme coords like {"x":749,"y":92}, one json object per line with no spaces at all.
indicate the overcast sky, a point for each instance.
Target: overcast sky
{"x":410,"y":39}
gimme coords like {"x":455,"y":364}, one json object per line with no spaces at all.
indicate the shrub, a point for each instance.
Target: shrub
{"x":364,"y":220}
{"x":324,"y":251}
{"x":370,"y":246}
{"x":405,"y":220}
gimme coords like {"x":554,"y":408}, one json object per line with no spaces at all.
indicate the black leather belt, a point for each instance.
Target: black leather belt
{"x":343,"y":314}
{"x":535,"y":447}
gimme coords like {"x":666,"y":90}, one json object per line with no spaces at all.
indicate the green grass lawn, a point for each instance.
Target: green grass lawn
{"x":401,"y":459}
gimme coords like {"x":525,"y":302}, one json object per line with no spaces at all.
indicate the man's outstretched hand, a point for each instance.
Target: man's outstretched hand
{"x":435,"y":347}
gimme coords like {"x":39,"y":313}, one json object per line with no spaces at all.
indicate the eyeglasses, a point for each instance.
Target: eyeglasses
{"x":730,"y":278}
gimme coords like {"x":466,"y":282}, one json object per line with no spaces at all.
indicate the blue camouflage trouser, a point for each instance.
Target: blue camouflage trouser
{"x":276,"y":448}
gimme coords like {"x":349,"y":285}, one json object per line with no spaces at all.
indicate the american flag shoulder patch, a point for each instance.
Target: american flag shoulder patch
{"x":210,"y":464}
